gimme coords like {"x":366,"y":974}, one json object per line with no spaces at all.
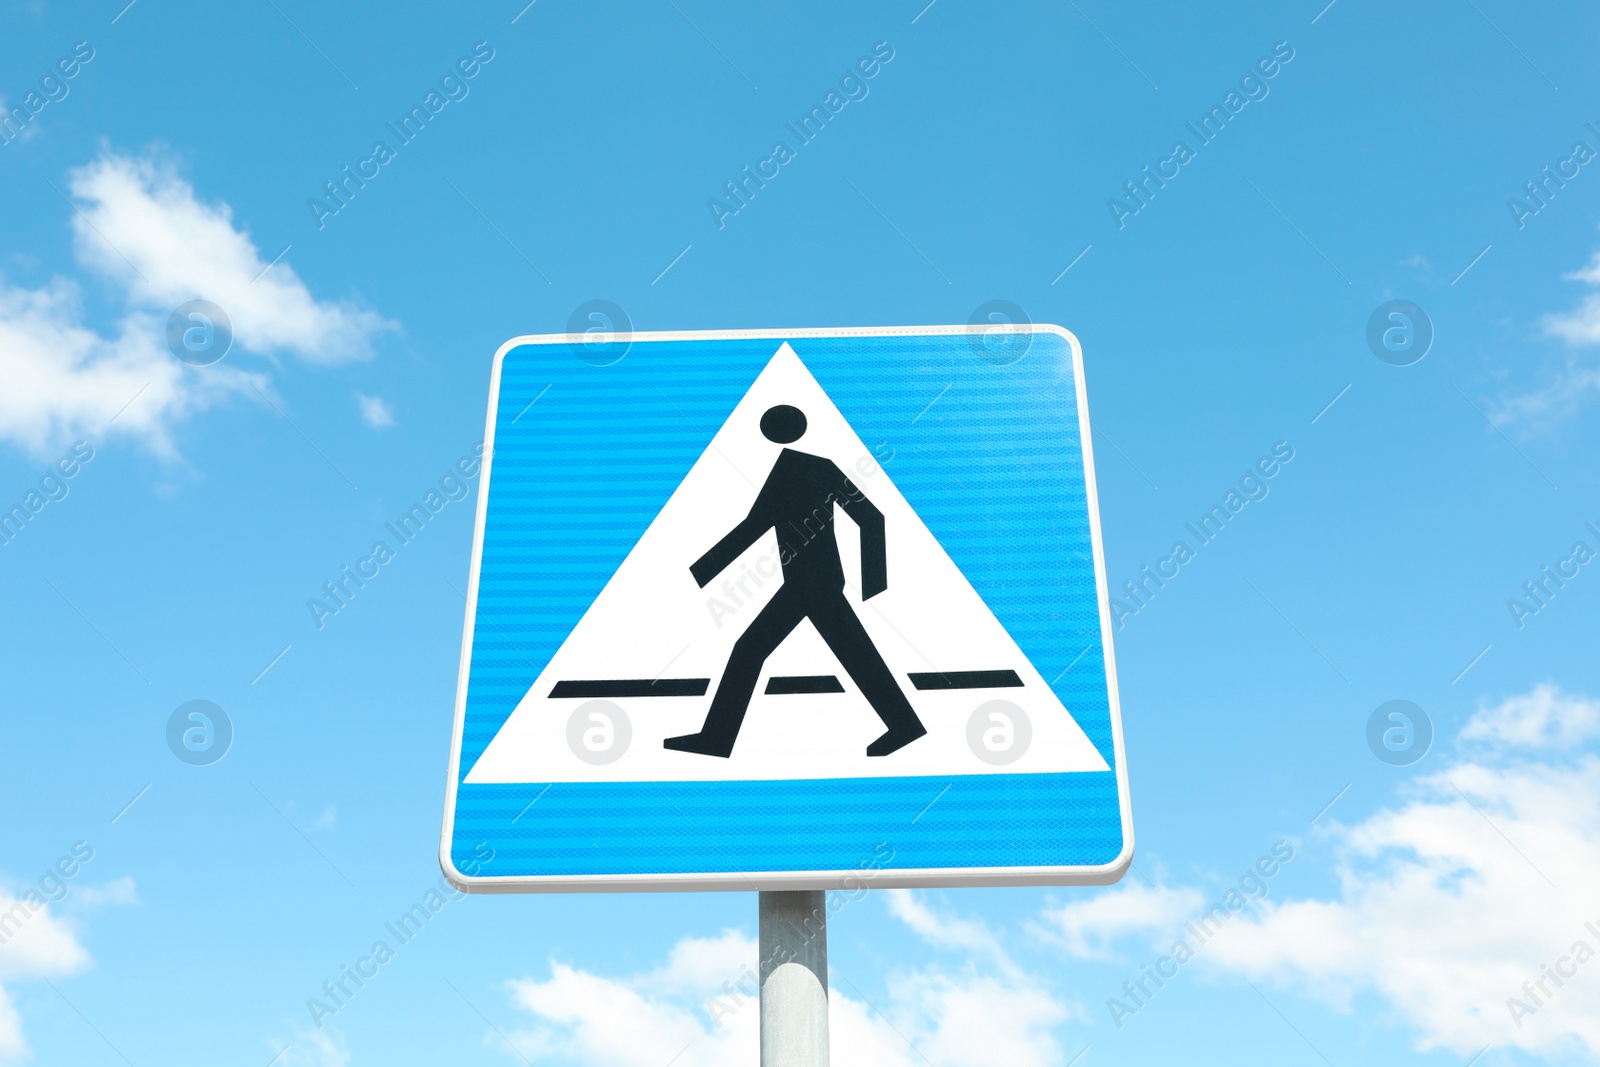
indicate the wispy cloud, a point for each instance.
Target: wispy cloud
{"x":140,"y":227}
{"x":1544,"y":717}
{"x":375,"y":411}
{"x":310,"y":1048}
{"x":1581,"y":325}
{"x":1087,"y":926}
{"x":1578,"y":377}
{"x":117,"y":891}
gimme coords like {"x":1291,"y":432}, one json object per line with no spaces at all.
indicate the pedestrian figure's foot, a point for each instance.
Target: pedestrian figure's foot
{"x":698,"y":742}
{"x":895,"y":740}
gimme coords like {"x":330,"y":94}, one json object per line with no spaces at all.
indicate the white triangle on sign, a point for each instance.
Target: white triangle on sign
{"x":653,"y":624}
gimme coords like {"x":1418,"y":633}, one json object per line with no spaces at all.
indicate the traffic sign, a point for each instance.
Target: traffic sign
{"x":771,"y":609}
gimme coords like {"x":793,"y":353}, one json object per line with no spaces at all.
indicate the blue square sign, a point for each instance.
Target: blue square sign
{"x":787,"y":609}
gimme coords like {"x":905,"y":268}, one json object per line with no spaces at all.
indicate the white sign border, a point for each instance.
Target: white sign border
{"x":932,"y":877}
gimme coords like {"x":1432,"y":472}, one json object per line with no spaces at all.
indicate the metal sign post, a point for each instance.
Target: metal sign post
{"x":794,"y":978}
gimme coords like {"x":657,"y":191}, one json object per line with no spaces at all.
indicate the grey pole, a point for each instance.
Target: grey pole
{"x":794,"y":979}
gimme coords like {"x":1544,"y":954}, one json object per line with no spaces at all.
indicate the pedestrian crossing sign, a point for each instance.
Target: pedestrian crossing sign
{"x":787,"y":609}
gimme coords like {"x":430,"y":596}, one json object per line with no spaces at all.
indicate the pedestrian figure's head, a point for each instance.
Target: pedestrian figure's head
{"x":783,"y":424}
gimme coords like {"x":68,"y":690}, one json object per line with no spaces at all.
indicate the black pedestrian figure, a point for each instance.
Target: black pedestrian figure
{"x":797,"y":503}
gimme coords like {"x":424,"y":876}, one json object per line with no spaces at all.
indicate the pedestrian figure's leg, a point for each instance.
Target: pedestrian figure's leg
{"x":775,"y":622}
{"x":848,"y":639}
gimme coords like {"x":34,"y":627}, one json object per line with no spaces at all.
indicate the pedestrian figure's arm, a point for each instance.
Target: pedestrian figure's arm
{"x":725,"y":551}
{"x":874,"y":550}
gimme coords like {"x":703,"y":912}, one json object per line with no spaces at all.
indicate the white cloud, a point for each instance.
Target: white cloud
{"x":692,"y":1002}
{"x":66,"y":379}
{"x":702,"y":1006}
{"x":1580,"y":374}
{"x":1086,"y":926}
{"x":976,"y":1020}
{"x":37,"y":942}
{"x":706,"y":962}
{"x":941,"y":930}
{"x":1590,"y":274}
{"x":28,"y":132}
{"x":116,"y":891}
{"x":142,"y":226}
{"x":311,"y":1048}
{"x":1580,"y":326}
{"x":1558,"y":398}
{"x":1451,"y":900}
{"x":1544,"y":717}
{"x":375,"y":411}
{"x":589,"y":1019}
{"x":13,"y":1046}
{"x":970,"y":1016}
{"x":34,"y":943}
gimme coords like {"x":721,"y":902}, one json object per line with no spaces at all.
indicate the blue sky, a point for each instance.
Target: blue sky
{"x":579,"y":161}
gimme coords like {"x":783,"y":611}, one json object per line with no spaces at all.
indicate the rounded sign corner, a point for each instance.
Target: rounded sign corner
{"x":1114,"y":871}
{"x":447,"y":867}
